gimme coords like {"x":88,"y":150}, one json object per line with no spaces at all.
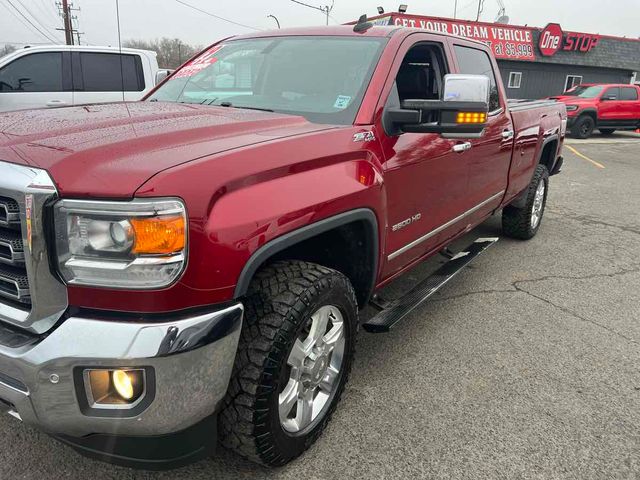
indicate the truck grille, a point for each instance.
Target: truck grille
{"x":31,"y":295}
{"x":14,"y":283}
{"x":9,"y":213}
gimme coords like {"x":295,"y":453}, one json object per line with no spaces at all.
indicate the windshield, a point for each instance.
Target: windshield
{"x":584,"y":92}
{"x":321,"y":78}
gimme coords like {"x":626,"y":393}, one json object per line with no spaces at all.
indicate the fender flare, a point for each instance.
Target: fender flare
{"x":592,"y":112}
{"x":521,"y":199}
{"x":278,"y":244}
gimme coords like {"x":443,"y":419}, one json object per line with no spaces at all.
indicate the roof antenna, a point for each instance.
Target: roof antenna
{"x":363,"y":24}
{"x":120,"y":48}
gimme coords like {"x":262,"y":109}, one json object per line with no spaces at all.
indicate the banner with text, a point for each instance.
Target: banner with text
{"x":512,"y":43}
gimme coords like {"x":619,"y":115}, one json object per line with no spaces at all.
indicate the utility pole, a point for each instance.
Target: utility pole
{"x":66,"y":17}
{"x":455,"y":9}
{"x":480,"y":8}
{"x":326,"y":9}
{"x":65,"y":8}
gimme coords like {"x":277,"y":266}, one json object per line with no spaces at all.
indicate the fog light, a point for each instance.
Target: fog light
{"x":122,"y":381}
{"x":115,"y":387}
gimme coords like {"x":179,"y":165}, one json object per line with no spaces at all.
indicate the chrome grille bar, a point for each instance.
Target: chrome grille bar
{"x":31,"y":296}
{"x":11,"y":247}
{"x":9,"y":213}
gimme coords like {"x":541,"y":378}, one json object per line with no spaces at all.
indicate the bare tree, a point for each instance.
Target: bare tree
{"x":172,"y":52}
{"x":7,"y":49}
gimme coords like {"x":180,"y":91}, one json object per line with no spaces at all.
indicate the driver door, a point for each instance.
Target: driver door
{"x":425,"y":178}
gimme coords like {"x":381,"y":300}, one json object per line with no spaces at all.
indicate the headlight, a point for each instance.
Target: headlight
{"x":572,"y":108}
{"x":139,"y":244}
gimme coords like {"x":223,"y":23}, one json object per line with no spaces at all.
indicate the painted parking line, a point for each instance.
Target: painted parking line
{"x":577,"y":153}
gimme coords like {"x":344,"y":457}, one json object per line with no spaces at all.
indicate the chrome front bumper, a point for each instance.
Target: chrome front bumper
{"x":191,"y":359}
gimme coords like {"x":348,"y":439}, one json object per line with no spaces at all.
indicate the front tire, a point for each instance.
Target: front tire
{"x":583,"y":128}
{"x":523,"y":223}
{"x":294,"y":357}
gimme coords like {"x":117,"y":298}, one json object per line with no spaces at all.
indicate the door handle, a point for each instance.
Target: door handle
{"x":507,"y":134}
{"x":462,"y":147}
{"x":56,"y":103}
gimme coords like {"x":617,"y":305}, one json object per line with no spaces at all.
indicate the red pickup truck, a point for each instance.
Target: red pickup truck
{"x":190,"y":267}
{"x":607,"y":107}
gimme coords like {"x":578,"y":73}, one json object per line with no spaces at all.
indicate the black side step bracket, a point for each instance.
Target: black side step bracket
{"x":400,"y":308}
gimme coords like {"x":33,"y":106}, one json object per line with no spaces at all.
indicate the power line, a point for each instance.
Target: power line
{"x":307,"y":5}
{"x":216,"y":16}
{"x":43,"y":10}
{"x":26,"y":25}
{"x":51,"y":7}
{"x":326,"y":10}
{"x":31,"y":23}
{"x":34,"y":17}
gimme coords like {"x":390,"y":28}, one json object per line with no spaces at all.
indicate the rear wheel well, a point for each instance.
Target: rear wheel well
{"x":547,"y":157}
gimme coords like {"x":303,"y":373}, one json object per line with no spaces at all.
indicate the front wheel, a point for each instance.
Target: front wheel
{"x":294,"y":357}
{"x":583,"y":128}
{"x":523,"y":223}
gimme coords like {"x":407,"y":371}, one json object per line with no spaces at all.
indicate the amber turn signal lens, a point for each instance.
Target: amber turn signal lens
{"x":157,"y":235}
{"x":471,"y":117}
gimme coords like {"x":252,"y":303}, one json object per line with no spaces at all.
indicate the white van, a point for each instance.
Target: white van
{"x":62,"y":75}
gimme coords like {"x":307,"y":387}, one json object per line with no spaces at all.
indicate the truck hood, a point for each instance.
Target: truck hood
{"x":571,"y":99}
{"x":109,"y":150}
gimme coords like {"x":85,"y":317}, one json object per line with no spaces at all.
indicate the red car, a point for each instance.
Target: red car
{"x":607,"y":107}
{"x":198,"y":259}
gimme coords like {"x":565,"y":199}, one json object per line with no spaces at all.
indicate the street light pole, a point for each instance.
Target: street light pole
{"x":275,"y":18}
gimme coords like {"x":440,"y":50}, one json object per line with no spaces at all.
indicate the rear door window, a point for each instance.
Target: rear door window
{"x":36,"y":72}
{"x":476,"y":62}
{"x":628,"y":93}
{"x":110,"y":72}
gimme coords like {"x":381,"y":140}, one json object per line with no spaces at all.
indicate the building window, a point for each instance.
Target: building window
{"x":514,"y":79}
{"x":572,"y":81}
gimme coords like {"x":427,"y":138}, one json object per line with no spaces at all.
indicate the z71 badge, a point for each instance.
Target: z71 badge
{"x":364,"y":137}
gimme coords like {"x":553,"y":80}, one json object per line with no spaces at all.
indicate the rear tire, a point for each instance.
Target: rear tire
{"x":607,"y":131}
{"x":287,"y":379}
{"x":523,"y":223}
{"x":583,"y":128}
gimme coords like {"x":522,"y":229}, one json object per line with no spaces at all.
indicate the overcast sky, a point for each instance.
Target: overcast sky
{"x":146,"y":19}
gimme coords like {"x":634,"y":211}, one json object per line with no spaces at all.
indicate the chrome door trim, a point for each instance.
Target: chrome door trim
{"x":432,"y":233}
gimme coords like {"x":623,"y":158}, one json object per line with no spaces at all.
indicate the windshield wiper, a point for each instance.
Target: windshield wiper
{"x":230,"y":105}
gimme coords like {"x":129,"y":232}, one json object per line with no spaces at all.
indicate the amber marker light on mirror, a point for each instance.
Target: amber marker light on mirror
{"x":471,"y":117}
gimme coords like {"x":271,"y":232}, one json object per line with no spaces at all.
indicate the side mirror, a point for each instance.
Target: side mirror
{"x":462,"y":113}
{"x":162,"y":74}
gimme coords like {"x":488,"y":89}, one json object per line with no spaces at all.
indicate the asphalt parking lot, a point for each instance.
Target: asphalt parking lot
{"x":527,"y":365}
